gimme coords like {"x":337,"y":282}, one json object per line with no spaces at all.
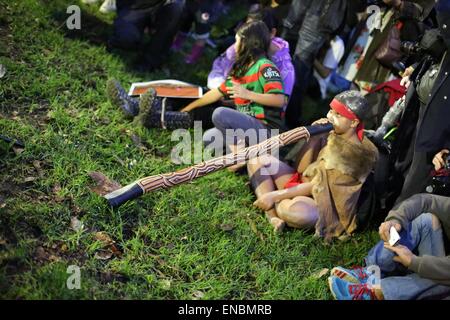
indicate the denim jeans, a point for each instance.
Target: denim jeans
{"x":229,"y":119}
{"x":396,"y":282}
{"x":130,"y":24}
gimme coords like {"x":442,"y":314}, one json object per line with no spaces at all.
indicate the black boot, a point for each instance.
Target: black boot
{"x":151,"y":114}
{"x":120,"y":99}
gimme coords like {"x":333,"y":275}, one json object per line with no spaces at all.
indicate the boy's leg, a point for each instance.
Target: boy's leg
{"x":424,"y":234}
{"x":428,"y":227}
{"x":263,"y":182}
{"x":412,"y":287}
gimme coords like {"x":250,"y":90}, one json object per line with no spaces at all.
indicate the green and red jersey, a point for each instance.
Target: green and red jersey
{"x":262,"y":77}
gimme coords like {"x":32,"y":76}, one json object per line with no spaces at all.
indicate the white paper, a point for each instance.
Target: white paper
{"x":394,"y":236}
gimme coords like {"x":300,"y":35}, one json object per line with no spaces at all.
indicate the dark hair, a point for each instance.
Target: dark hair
{"x":266,"y":15}
{"x":255,"y":42}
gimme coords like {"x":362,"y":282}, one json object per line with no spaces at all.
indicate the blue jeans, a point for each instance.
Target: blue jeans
{"x":229,"y":119}
{"x":396,"y":282}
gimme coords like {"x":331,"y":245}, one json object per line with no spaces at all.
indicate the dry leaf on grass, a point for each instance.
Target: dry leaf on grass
{"x":29,"y":179}
{"x":18,"y":150}
{"x":76,"y":225}
{"x":103,"y":255}
{"x":321,"y":273}
{"x":227,"y":227}
{"x":109,"y":244}
{"x":196,"y":295}
{"x":37,"y":166}
{"x":103,"y":237}
{"x":104,"y":184}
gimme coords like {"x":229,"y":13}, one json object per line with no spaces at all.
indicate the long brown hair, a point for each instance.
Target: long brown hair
{"x":254,"y":44}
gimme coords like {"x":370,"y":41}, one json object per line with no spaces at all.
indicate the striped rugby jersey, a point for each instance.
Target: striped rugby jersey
{"x":262,"y":77}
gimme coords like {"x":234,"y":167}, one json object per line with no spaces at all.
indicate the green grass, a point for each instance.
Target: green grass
{"x":173,"y":242}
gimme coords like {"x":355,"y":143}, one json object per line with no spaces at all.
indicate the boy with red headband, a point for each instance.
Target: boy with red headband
{"x":323,"y":192}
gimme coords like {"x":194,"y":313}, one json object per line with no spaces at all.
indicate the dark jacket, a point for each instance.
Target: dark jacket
{"x":433,"y":133}
{"x":429,"y":267}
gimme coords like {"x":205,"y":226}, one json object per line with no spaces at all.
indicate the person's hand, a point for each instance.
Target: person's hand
{"x":438,"y":159}
{"x":238,"y":91}
{"x":385,"y":228}
{"x":404,"y":255}
{"x":266,"y":201}
{"x":406,"y":82}
{"x":320,"y":121}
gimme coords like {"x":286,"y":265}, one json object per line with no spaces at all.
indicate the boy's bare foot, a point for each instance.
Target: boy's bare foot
{"x":278,"y":224}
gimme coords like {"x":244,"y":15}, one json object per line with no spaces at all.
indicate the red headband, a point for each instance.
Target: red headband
{"x":343,"y":110}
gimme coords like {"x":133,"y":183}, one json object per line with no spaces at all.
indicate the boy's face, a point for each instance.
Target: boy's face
{"x":340,"y":123}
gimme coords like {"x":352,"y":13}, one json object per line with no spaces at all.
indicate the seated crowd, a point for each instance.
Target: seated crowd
{"x":341,"y":181}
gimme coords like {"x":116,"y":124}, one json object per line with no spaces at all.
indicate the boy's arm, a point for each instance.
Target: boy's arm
{"x":268,"y":200}
{"x":210,"y":97}
{"x":303,"y":189}
{"x":412,"y":207}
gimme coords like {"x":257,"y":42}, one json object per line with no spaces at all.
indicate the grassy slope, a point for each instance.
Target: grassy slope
{"x":174,"y":244}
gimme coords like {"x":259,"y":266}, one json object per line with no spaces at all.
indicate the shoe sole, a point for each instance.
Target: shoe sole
{"x":114,"y":98}
{"x":338,"y":273}
{"x":330,"y":281}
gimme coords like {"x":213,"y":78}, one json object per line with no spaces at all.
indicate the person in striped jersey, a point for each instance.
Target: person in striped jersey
{"x":255,"y":85}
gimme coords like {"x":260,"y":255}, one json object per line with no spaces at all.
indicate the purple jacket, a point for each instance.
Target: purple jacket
{"x":282,"y":59}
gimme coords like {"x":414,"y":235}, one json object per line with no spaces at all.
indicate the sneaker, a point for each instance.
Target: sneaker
{"x":354,"y":275}
{"x":108,"y":6}
{"x":344,"y":290}
{"x":120,"y":99}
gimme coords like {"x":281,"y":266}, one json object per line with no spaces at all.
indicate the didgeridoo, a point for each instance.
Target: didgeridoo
{"x":167,"y":180}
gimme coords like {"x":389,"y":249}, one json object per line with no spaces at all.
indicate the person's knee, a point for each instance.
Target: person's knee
{"x":219,"y":117}
{"x":301,"y":212}
{"x":435,"y":223}
{"x":426,"y":222}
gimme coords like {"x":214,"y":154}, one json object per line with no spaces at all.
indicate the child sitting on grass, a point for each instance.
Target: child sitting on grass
{"x":254,"y":84}
{"x":323,"y":190}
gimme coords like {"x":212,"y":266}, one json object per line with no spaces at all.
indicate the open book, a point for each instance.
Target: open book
{"x":167,"y":88}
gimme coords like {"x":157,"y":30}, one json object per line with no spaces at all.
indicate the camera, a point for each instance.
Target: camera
{"x":410,"y":48}
{"x":431,"y":43}
{"x":440,"y":183}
